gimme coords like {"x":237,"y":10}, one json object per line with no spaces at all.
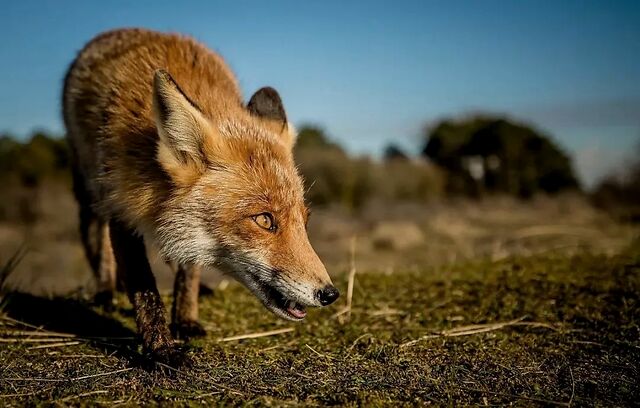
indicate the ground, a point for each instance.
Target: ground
{"x":455,"y":302}
{"x":545,"y":329}
{"x":391,"y":236}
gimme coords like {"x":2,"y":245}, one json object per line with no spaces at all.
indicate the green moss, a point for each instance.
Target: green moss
{"x":587,"y":351}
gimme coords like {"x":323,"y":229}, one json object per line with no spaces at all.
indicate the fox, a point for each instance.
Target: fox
{"x":166,"y":155}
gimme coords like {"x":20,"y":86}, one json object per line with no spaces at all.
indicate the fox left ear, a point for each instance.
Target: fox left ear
{"x":185,"y":135}
{"x":267,"y":104}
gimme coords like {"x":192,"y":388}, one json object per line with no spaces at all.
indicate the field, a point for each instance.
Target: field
{"x":545,"y":329}
{"x":455,"y":303}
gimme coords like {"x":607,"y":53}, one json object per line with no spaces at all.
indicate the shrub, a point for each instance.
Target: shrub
{"x":331,"y":176}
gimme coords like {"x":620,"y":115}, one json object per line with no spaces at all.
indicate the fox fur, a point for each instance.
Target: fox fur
{"x":166,"y":153}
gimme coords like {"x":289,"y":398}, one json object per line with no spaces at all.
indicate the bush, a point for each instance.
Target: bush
{"x":331,"y":176}
{"x":408,"y":180}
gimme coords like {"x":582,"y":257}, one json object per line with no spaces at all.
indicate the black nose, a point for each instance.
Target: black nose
{"x":328,"y":295}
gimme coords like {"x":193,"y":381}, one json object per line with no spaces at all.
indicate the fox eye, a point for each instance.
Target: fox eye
{"x":265,"y":220}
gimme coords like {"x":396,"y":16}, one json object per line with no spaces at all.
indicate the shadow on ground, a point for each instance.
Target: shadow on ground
{"x":75,"y":317}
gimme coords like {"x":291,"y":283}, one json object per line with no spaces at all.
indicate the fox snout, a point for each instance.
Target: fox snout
{"x":327,"y":295}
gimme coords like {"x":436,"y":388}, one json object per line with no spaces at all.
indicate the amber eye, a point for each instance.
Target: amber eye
{"x":265,"y":220}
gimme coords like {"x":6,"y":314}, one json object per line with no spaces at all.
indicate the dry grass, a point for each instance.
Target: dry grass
{"x":413,"y":236}
{"x":344,"y":314}
{"x":548,"y":329}
{"x":459,"y":231}
{"x":499,"y":302}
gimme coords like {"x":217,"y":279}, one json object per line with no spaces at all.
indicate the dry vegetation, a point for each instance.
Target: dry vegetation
{"x":547,"y":329}
{"x":391,"y":235}
{"x":454,"y":302}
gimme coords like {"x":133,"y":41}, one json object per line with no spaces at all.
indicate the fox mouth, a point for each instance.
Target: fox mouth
{"x":279,"y":304}
{"x":277,"y":295}
{"x":269,"y":292}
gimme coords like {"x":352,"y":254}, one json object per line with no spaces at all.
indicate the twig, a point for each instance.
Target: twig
{"x":341,"y":312}
{"x":386,"y":312}
{"x":352,"y":277}
{"x":257,"y":335}
{"x":538,"y":324}
{"x":6,"y":320}
{"x":52,"y":345}
{"x":357,"y":340}
{"x":39,"y":331}
{"x":84,"y":394}
{"x":318,"y":353}
{"x":84,"y":377}
{"x":27,"y":340}
{"x":476,"y":329}
{"x":573,"y":387}
{"x":11,"y":265}
{"x":31,"y":326}
{"x":38,"y":379}
{"x":36,"y":333}
{"x":268,"y":348}
{"x":308,"y":377}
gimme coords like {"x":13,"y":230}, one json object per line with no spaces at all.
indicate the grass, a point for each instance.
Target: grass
{"x":548,"y":329}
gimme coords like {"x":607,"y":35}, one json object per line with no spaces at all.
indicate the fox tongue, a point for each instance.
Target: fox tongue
{"x":296,"y":310}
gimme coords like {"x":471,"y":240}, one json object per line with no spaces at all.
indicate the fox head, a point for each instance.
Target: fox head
{"x":237,"y":200}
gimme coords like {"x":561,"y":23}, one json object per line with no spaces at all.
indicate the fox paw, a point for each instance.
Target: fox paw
{"x":187,"y":330}
{"x":172,"y":357}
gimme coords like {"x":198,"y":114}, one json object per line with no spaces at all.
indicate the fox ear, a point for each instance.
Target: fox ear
{"x":182,"y":128}
{"x":267,"y":104}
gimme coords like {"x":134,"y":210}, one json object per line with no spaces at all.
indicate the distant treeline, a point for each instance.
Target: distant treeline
{"x":471,"y":156}
{"x":620,"y":192}
{"x":31,"y":161}
{"x":332,"y":176}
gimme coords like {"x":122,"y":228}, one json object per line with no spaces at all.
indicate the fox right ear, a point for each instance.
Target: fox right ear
{"x":183,"y":130}
{"x":267,"y":104}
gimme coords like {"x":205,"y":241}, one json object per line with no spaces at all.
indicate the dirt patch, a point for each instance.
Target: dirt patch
{"x":390,"y":235}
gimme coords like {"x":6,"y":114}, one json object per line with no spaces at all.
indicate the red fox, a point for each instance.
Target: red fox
{"x":165,"y":153}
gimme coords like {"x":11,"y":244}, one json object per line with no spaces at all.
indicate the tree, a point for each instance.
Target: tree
{"x":620,"y":192}
{"x":314,"y":137}
{"x":393,"y":152}
{"x":494,"y":154}
{"x":330,"y":175}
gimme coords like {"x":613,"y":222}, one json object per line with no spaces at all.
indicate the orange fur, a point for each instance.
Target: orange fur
{"x":163,"y":144}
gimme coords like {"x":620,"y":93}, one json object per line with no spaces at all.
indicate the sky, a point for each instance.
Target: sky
{"x":372,"y":72}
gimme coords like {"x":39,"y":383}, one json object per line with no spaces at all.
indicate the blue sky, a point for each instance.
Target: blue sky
{"x":372,"y":72}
